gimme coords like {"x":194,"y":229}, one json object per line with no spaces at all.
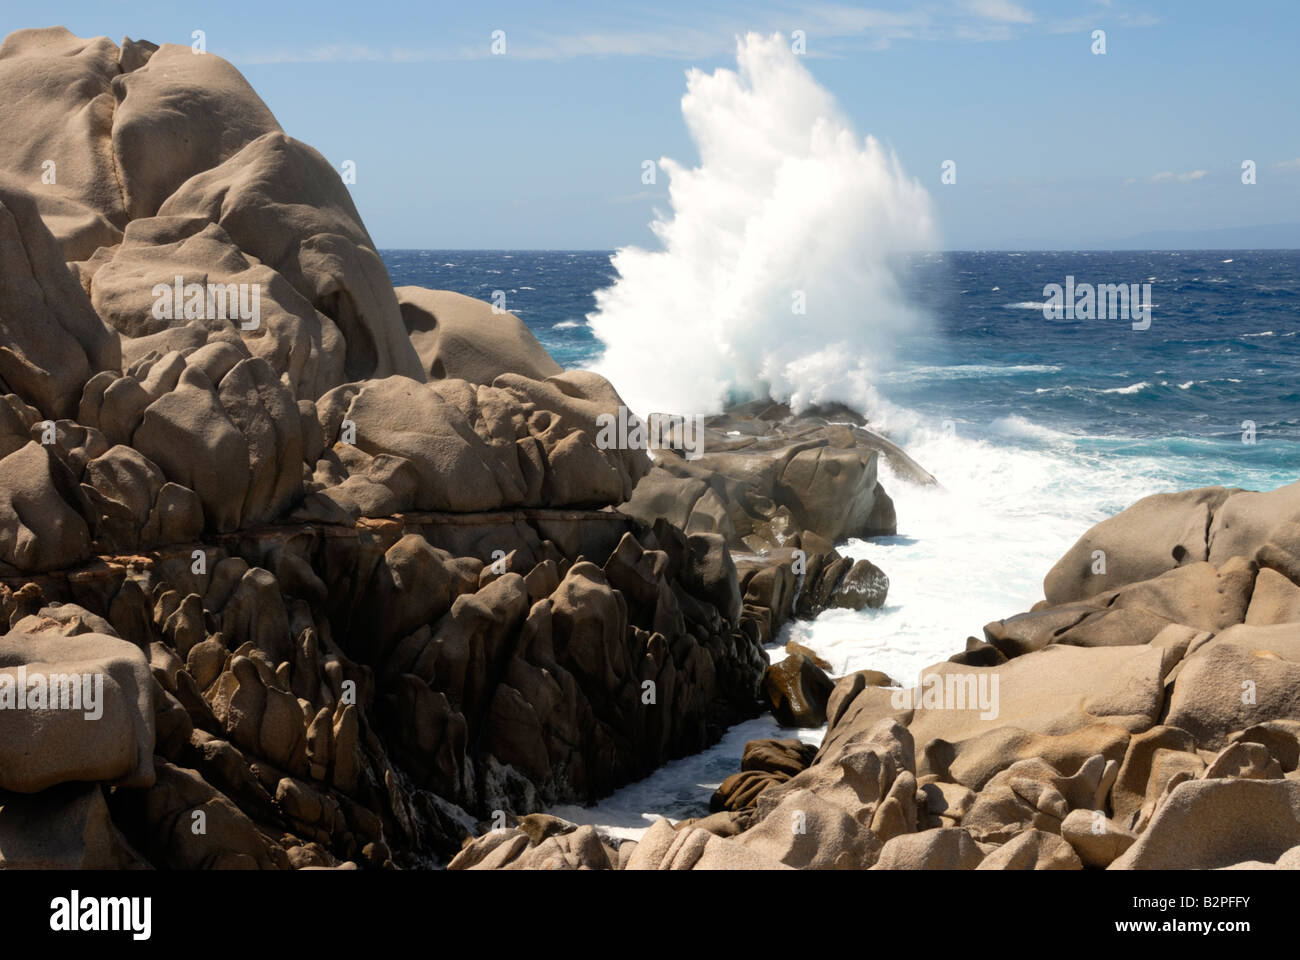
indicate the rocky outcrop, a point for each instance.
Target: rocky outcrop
{"x":429,"y":687}
{"x":1143,"y":724}
{"x":350,"y":571}
{"x":766,"y":479}
{"x":343,"y":563}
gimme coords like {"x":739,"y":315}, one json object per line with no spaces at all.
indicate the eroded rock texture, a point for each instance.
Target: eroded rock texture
{"x":1146,"y":715}
{"x":353,"y":570}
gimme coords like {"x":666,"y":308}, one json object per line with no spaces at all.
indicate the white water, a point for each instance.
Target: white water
{"x":787,"y":203}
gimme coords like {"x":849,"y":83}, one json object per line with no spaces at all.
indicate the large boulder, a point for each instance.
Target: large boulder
{"x":449,"y":445}
{"x":57,"y":114}
{"x":64,"y":828}
{"x":1244,"y":676}
{"x":460,"y":338}
{"x":51,"y":342}
{"x":39,"y":529}
{"x":1055,"y":691}
{"x":134,"y":293}
{"x":195,"y":104}
{"x":797,"y":691}
{"x":1210,"y":824}
{"x":86,"y":712}
{"x":281,"y":202}
{"x":1155,"y":535}
{"x":1248,"y":519}
{"x":189,"y":434}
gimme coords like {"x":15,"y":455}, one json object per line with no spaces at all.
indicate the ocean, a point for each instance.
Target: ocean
{"x":1036,"y":429}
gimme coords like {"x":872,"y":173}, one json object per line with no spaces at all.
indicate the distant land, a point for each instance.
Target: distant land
{"x":1277,"y":236}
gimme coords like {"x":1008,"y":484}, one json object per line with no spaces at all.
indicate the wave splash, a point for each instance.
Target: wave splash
{"x":787,"y":204}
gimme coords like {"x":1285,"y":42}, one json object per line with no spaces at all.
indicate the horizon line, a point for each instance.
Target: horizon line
{"x":613,"y":250}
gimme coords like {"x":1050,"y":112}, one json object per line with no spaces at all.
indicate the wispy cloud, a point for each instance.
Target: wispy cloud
{"x":1288,"y":164}
{"x":1168,"y":176}
{"x":1106,"y":18}
{"x":1003,"y":10}
{"x":831,"y":29}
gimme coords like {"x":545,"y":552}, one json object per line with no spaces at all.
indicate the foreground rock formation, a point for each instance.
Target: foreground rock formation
{"x":316,"y":572}
{"x":298,"y":570}
{"x":1145,"y":715}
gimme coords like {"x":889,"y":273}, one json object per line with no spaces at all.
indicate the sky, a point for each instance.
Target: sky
{"x":541,"y":147}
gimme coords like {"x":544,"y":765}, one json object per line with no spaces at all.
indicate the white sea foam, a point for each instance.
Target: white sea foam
{"x":960,"y":371}
{"x":787,"y":203}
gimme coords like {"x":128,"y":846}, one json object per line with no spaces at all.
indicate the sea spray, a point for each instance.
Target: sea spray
{"x":774,"y":276}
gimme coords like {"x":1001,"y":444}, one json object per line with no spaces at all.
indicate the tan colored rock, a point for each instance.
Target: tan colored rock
{"x":973,"y":762}
{"x":131,"y":290}
{"x":1275,"y":600}
{"x":1053,"y":691}
{"x":169,"y":811}
{"x":192,"y":439}
{"x":1193,"y":597}
{"x":197,"y":104}
{"x":856,"y":773}
{"x":1236,"y":681}
{"x":1251,"y":761}
{"x":897,"y":813}
{"x":1133,"y":784}
{"x":112,"y":740}
{"x":518,"y":443}
{"x":1169,"y":768}
{"x":663,"y":848}
{"x":763,"y":764}
{"x":944,"y":804}
{"x":1096,"y":838}
{"x":793,"y":647}
{"x":1281,"y":737}
{"x":1207,"y":824}
{"x":461,"y":338}
{"x":1155,"y":535}
{"x":40,"y":525}
{"x":539,"y":842}
{"x":949,"y":848}
{"x":859,"y":715}
{"x":60,"y":94}
{"x":807,"y":832}
{"x":1033,"y":850}
{"x":1247,"y":519}
{"x":1033,"y":794}
{"x":53,"y":342}
{"x":281,"y":202}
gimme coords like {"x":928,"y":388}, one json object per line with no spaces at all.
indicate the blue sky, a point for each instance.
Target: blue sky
{"x":542,"y":147}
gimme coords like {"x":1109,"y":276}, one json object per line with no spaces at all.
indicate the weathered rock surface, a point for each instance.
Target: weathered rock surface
{"x":347,"y":559}
{"x":75,"y":708}
{"x":1140,"y":718}
{"x":460,"y":338}
{"x":362,"y":582}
